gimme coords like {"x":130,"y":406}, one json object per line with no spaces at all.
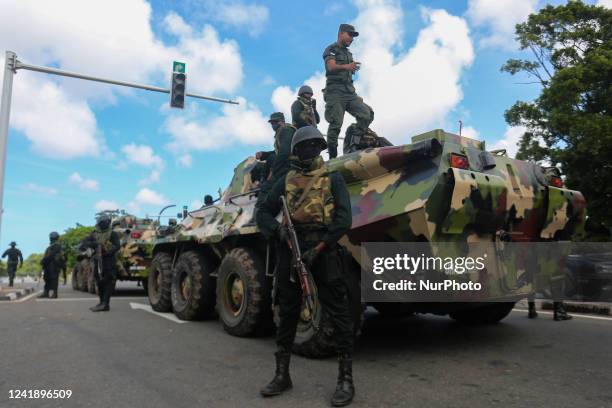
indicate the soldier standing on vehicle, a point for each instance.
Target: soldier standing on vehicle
{"x":354,"y":141}
{"x":53,"y":261}
{"x":320,"y":208}
{"x":304,"y":109}
{"x":105,"y":243}
{"x":15,"y":260}
{"x":339,"y":92}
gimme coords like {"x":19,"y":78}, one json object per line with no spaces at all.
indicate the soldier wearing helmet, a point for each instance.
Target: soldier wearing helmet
{"x":53,"y":261}
{"x":105,"y":241}
{"x":355,"y":140}
{"x":320,"y":209}
{"x":15,"y":260}
{"x":304,"y":109}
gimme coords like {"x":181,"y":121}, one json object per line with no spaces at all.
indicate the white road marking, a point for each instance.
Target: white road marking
{"x":30,"y":296}
{"x":573,"y":314}
{"x":147,"y":308}
{"x":67,"y":299}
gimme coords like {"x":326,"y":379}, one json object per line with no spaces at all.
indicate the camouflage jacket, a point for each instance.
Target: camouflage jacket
{"x":54,"y":258}
{"x":279,"y":157}
{"x":338,"y":203}
{"x":302,"y":112}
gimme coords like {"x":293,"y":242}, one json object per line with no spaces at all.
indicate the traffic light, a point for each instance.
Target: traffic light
{"x":177,"y":90}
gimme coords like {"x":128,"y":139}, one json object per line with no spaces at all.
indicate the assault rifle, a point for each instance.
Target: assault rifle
{"x":303,"y":273}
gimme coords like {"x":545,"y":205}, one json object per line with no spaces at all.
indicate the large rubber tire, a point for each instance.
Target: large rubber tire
{"x":83,"y":275}
{"x":244,"y":294}
{"x":490,"y":313}
{"x":159,"y":282}
{"x":91,"y":283}
{"x":193,"y":289}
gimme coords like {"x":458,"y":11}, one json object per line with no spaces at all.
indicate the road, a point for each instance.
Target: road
{"x":130,"y":357}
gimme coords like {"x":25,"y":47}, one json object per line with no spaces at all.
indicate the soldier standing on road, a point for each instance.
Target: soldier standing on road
{"x":15,"y":260}
{"x":339,"y":91}
{"x":320,"y":209}
{"x":304,"y":109}
{"x":108,"y":240}
{"x":53,"y":261}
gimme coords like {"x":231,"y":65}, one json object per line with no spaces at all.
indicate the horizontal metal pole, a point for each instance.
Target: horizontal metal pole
{"x":54,"y":71}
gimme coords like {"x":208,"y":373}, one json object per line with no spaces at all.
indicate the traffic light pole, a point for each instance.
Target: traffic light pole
{"x":12,"y":64}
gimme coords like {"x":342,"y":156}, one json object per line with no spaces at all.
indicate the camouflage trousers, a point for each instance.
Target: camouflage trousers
{"x":336,"y":104}
{"x":332,"y":294}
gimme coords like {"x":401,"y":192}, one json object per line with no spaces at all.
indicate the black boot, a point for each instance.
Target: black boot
{"x":281,"y":381}
{"x":45,"y":294}
{"x":559,"y":312}
{"x":345,"y":390}
{"x":100,"y":308}
{"x":333,"y":151}
{"x":532,"y":310}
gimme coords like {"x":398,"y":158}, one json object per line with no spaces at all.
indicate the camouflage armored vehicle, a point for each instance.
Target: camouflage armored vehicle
{"x":441,"y":188}
{"x":136,"y":236}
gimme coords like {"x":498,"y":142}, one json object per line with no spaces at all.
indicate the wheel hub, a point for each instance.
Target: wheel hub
{"x":235,"y":299}
{"x":186,"y":287}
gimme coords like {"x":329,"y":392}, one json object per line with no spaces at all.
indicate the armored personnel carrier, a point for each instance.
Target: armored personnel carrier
{"x":440,"y":188}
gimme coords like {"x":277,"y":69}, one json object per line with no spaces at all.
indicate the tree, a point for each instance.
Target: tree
{"x":570,"y":124}
{"x":70,"y":239}
{"x":31,"y":265}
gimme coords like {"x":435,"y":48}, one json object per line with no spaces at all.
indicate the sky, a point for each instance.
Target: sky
{"x":78,"y":147}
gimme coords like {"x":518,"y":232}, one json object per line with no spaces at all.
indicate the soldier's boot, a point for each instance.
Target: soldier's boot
{"x":11,"y":282}
{"x":54,"y":295}
{"x":333,"y":151}
{"x":281,"y":381}
{"x":45,"y":294}
{"x":532,"y":310}
{"x":559,"y":312}
{"x":345,"y":390}
{"x":100,"y":308}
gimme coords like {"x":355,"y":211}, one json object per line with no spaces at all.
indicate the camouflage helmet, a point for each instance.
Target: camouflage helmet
{"x":103,"y":221}
{"x":307,"y":133}
{"x":13,"y":243}
{"x":53,"y":236}
{"x":305,"y":89}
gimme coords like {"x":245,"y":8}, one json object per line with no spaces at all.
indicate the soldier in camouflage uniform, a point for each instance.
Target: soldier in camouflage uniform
{"x":304,"y":109}
{"x":339,"y":92}
{"x":15,"y":260}
{"x":320,"y":209}
{"x":355,"y":141}
{"x":53,"y":261}
{"x":108,"y":239}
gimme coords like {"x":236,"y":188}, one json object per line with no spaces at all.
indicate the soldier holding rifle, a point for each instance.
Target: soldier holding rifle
{"x":105,"y":242}
{"x":320,"y":210}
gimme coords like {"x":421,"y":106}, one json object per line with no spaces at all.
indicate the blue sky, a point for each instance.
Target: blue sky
{"x":75,"y":147}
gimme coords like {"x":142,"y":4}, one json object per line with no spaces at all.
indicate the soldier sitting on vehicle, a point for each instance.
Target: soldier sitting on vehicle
{"x":355,"y":140}
{"x":304,"y":109}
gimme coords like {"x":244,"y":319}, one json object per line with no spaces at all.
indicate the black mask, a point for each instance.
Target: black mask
{"x":275,"y":125}
{"x":308,"y":151}
{"x":103,"y":224}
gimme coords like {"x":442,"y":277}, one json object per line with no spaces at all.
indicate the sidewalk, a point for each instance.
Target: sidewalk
{"x":20,"y":290}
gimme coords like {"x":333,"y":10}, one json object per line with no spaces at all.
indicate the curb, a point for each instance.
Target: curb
{"x":582,"y":307}
{"x":16,"y":294}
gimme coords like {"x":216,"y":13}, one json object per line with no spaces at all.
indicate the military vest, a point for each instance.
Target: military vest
{"x":342,"y":56}
{"x":102,"y":237}
{"x":277,"y":138}
{"x":309,"y":197}
{"x":307,"y":113}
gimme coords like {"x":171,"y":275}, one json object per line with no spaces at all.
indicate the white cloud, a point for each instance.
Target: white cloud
{"x":605,"y":3}
{"x":469,"y":131}
{"x":283,"y":97}
{"x":94,"y":38}
{"x":38,"y":189}
{"x":242,"y":123}
{"x":149,"y":197}
{"x":153,"y":177}
{"x":268,"y":81}
{"x":142,"y":155}
{"x":250,"y":17}
{"x":104,"y":205}
{"x":185,"y":160}
{"x":83,"y":183}
{"x":512,"y":136}
{"x":498,"y":18}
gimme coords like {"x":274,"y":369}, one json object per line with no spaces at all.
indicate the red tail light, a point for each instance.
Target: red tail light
{"x":136,"y":235}
{"x":459,"y":161}
{"x":556,"y":181}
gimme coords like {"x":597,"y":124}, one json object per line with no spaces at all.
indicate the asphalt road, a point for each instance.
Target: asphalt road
{"x":130,"y":357}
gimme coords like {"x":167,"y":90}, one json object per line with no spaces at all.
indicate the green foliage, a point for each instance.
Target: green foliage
{"x":70,"y":240}
{"x":3,"y":271}
{"x":570,"y":123}
{"x":31,"y":266}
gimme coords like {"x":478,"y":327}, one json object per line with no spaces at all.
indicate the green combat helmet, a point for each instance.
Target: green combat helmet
{"x":53,"y":236}
{"x":304,"y":89}
{"x":440,"y":187}
{"x":307,"y":133}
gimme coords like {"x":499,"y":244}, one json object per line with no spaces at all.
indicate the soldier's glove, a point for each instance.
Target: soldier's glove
{"x":283,"y":233}
{"x":310,"y":256}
